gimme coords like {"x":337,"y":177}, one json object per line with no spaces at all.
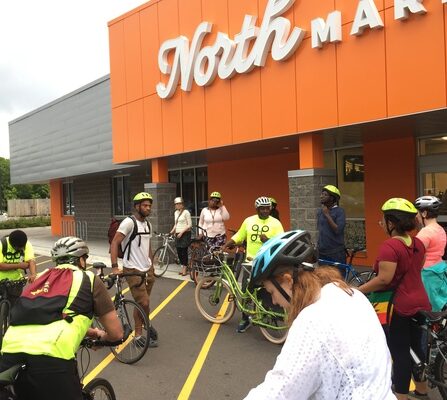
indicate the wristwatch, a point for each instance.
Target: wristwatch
{"x":114,"y":265}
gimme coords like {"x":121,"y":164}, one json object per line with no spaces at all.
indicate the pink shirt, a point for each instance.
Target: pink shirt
{"x":434,"y":239}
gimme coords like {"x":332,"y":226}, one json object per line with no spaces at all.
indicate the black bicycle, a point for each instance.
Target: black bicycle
{"x":6,"y":287}
{"x":96,"y":389}
{"x":131,"y":315}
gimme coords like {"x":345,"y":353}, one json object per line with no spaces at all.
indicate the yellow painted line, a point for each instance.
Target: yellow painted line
{"x":152,"y":315}
{"x":44,"y":262}
{"x":198,"y":365}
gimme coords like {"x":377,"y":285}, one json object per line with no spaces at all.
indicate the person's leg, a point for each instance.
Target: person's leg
{"x":399,"y":344}
{"x":183,"y":257}
{"x":150,"y":280}
{"x":244,"y":323}
{"x":418,"y":341}
{"x":139,"y":293}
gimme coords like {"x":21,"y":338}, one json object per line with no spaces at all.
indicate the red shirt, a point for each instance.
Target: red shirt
{"x":410,"y":296}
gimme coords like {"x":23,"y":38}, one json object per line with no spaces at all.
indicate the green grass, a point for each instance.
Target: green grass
{"x":24,"y":222}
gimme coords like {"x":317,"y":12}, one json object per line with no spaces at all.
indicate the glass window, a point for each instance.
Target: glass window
{"x":68,"y":198}
{"x":121,"y":196}
{"x":433,"y":146}
{"x":435,"y":184}
{"x":192,"y":185}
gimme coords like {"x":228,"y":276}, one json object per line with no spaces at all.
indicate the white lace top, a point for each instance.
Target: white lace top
{"x":335,"y":349}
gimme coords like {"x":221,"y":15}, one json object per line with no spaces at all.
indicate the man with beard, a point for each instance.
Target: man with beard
{"x":134,"y":237}
{"x":255,"y":230}
{"x":331,"y":223}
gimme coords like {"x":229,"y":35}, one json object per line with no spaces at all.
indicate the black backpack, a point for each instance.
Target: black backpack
{"x":7,"y":255}
{"x":113,"y":227}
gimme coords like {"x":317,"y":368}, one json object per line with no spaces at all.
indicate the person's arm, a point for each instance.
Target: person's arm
{"x":113,"y":330}
{"x":188,"y":221}
{"x":117,"y":239}
{"x":224,"y":211}
{"x":10,"y":267}
{"x":288,"y":379}
{"x":201,"y":222}
{"x":387,"y":269}
{"x":327,"y":215}
{"x":238,"y":237}
{"x":172,"y":231}
{"x":32,"y":270}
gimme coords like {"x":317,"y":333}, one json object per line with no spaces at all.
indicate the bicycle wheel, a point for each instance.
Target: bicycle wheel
{"x":361,"y":278}
{"x":276,"y":336}
{"x":440,"y":371}
{"x":161,"y":261}
{"x":210,"y":295}
{"x":4,"y":319}
{"x":134,"y":348}
{"x":98,"y":389}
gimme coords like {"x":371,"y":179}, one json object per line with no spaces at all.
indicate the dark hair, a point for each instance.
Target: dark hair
{"x":18,"y":239}
{"x":431,"y":213}
{"x":403,"y":222}
{"x":76,"y":261}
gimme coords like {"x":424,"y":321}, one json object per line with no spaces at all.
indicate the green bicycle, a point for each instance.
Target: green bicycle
{"x":218,"y":294}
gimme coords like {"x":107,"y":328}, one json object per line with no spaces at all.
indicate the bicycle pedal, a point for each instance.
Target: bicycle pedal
{"x":230,"y":298}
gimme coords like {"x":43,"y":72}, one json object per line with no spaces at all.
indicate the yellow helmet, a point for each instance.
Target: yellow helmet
{"x":138,"y":198}
{"x":400,"y":205}
{"x":216,"y":195}
{"x":273,"y":201}
{"x":331,"y":189}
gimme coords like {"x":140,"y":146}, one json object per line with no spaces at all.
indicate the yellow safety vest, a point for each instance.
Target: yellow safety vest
{"x":59,"y":339}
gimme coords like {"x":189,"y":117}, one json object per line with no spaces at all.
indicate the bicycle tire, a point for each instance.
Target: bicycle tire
{"x":4,"y":319}
{"x":131,"y":351}
{"x":160,"y":261}
{"x":275,"y":336}
{"x":440,"y":372}
{"x":361,"y":278}
{"x":98,"y":389}
{"x":214,"y":294}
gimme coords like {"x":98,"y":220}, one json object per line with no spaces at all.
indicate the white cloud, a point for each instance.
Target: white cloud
{"x":49,"y":48}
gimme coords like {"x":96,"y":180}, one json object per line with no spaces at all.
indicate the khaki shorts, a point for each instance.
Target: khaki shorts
{"x":142,"y":293}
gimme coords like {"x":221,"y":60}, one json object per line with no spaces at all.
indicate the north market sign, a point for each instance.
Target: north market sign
{"x":227,"y":57}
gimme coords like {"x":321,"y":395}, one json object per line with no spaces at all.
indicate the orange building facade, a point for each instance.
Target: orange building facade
{"x":354,"y":84}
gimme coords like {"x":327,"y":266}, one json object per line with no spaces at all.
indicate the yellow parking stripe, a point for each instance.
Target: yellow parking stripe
{"x":44,"y":262}
{"x":152,"y":315}
{"x":197,"y":367}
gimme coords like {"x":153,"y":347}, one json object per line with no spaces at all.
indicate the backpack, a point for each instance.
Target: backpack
{"x":8,"y":256}
{"x":43,"y":301}
{"x":113,"y":227}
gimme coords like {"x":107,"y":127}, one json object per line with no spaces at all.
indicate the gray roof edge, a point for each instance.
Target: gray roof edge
{"x":60,"y":99}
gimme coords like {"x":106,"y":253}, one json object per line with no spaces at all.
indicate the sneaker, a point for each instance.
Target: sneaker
{"x":139,"y":341}
{"x":414,"y":394}
{"x":244,"y":324}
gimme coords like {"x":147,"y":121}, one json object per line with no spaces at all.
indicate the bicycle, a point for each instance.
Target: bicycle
{"x":348,"y":272}
{"x":221,"y":293}
{"x":166,"y":254}
{"x":6,"y":286}
{"x":96,"y":389}
{"x":434,"y":367}
{"x":130,"y":314}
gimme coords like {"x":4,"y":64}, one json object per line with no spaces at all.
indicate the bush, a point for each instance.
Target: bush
{"x":23,"y":222}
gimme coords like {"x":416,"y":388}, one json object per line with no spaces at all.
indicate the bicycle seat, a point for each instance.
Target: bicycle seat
{"x":99,"y":265}
{"x":433,"y":316}
{"x":9,"y":376}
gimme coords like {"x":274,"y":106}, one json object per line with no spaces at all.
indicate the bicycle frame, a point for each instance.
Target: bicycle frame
{"x":242,"y":298}
{"x":346,"y":270}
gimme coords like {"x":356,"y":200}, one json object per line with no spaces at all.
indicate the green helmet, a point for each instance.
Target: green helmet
{"x":400,"y":205}
{"x":273,"y":201}
{"x":217,"y":195}
{"x":333,"y":190}
{"x":138,"y":198}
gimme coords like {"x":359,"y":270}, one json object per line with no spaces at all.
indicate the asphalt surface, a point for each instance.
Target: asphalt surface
{"x":233,"y":365}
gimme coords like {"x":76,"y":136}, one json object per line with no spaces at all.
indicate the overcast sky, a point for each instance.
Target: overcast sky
{"x":49,"y":48}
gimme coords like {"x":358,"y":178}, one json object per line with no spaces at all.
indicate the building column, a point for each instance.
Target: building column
{"x":56,"y":206}
{"x":306,"y":183}
{"x":159,"y":170}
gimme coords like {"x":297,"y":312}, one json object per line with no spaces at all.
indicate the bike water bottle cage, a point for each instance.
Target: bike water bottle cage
{"x":293,"y":248}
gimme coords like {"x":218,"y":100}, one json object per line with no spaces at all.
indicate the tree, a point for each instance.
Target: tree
{"x":8,"y":191}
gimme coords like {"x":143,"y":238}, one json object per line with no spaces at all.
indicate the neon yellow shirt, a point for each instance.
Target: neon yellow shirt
{"x":13,"y":257}
{"x":251,"y":230}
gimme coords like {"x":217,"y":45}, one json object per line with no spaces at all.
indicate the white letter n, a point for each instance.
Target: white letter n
{"x":402,"y":8}
{"x":326,"y":31}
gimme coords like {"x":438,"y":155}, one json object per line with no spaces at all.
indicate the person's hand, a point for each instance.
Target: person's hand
{"x":116,"y":271}
{"x":325,"y":210}
{"x":180,"y":234}
{"x":32,"y":278}
{"x":96,"y":333}
{"x":263,"y":237}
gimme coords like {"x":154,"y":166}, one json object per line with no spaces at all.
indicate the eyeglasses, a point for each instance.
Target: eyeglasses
{"x":214,"y":199}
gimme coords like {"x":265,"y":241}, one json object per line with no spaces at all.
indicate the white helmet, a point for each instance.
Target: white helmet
{"x":69,"y":247}
{"x":263,"y":201}
{"x":178,"y":200}
{"x":427,"y":202}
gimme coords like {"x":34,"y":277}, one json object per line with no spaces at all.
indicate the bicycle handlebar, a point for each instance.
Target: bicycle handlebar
{"x":90,"y":342}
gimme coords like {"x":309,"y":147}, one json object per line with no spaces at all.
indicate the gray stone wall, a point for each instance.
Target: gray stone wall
{"x":304,"y":195}
{"x":93,"y":204}
{"x":162,"y":215}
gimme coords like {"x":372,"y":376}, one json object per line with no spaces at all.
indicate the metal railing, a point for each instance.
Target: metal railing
{"x":75,"y":228}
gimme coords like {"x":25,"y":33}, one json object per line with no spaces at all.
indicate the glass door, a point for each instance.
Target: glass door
{"x":435,"y":184}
